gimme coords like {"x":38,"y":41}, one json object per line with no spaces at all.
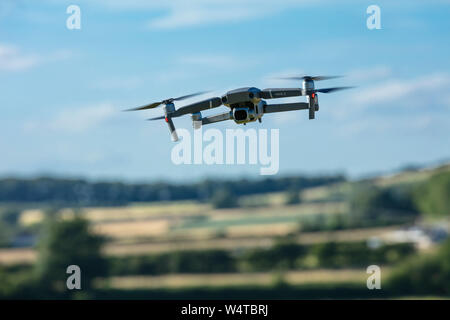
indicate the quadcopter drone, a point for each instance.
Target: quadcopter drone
{"x":246,"y":104}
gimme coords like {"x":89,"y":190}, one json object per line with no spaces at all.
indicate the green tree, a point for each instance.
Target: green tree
{"x":373,"y":205}
{"x":8,"y":225}
{"x":433,"y":197}
{"x":65,"y":243}
{"x":426,"y":274}
{"x":326,"y":254}
{"x":293,"y":197}
{"x":224,"y":198}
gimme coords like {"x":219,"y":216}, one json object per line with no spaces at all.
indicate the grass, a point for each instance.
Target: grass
{"x":237,"y":279}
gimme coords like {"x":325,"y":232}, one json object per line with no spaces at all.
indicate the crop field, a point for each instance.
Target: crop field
{"x":28,"y":255}
{"x":165,"y":221}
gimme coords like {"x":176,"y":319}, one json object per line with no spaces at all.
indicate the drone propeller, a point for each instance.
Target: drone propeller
{"x":191,"y":108}
{"x":157,"y":118}
{"x":167,"y":101}
{"x":328,"y":90}
{"x":315,"y":78}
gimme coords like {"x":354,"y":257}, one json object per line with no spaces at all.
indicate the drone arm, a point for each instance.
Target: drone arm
{"x":217,"y":118}
{"x":198,"y":106}
{"x":271,"y":108}
{"x":273,"y":93}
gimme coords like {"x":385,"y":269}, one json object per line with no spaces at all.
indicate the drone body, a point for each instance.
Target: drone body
{"x":246,"y":104}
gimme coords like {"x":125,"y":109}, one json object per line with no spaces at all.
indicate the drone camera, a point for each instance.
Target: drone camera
{"x":240,"y":114}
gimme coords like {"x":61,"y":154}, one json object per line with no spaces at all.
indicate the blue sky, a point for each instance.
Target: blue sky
{"x":62,"y":91}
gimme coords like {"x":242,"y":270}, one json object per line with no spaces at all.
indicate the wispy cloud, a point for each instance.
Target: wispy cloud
{"x":369,"y":74}
{"x":187,"y":13}
{"x":391,"y":126}
{"x":408,"y":105}
{"x":393,"y":90}
{"x":74,"y":120}
{"x":14,"y":59}
{"x":183,"y":15}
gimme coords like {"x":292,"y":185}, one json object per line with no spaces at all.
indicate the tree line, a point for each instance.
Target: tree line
{"x":83,"y":192}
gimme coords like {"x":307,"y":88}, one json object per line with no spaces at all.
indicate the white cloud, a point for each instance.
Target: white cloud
{"x":184,"y":13}
{"x":394,"y":90}
{"x":393,"y":126}
{"x":11,"y":59}
{"x":368,"y":74}
{"x":395,"y":106}
{"x":74,"y":120}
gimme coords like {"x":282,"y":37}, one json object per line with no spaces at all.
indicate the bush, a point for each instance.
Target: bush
{"x":358,"y":254}
{"x":325,"y":222}
{"x":282,"y":256}
{"x":208,"y":261}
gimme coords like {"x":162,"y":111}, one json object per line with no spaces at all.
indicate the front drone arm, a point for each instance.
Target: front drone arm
{"x":198,"y":106}
{"x":275,"y":93}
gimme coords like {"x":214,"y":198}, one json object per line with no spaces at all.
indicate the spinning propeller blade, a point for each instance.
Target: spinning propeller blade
{"x":157,"y":118}
{"x":328,"y":90}
{"x":315,"y":78}
{"x":147,"y":106}
{"x":170,"y":100}
{"x":190,"y":95}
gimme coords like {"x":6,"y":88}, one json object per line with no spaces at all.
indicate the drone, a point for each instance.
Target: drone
{"x":246,"y":104}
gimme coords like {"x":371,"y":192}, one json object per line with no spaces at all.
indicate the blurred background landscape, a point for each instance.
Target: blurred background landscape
{"x":286,"y":237}
{"x":366,"y":183}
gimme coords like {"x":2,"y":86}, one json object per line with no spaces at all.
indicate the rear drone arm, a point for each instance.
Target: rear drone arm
{"x":271,"y":108}
{"x":217,"y":118}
